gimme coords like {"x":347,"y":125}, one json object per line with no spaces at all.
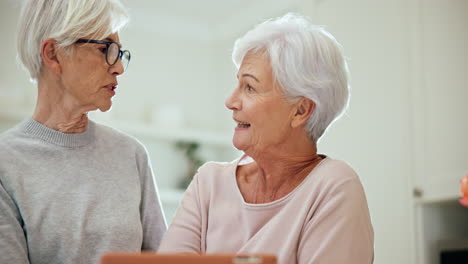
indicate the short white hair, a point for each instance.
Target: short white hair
{"x":306,"y":61}
{"x":65,"y":21}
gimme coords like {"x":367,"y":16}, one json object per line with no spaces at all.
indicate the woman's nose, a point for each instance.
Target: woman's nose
{"x":117,"y":68}
{"x":232,"y":102}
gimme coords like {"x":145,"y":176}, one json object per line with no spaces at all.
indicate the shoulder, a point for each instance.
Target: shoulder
{"x":7,"y":135}
{"x":13,"y":147}
{"x":213,"y":180}
{"x":216,"y":173}
{"x":335,"y":187}
{"x":335,"y":171}
{"x":10,"y":140}
{"x":123,"y":147}
{"x":335,"y":176}
{"x":109,"y":135}
{"x":113,"y":133}
{"x":211,"y":167}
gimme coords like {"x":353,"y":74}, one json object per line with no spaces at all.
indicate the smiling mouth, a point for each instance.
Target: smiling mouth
{"x":243,"y":125}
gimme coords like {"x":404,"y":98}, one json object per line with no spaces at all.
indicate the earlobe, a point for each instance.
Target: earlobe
{"x":49,"y":56}
{"x":303,"y":110}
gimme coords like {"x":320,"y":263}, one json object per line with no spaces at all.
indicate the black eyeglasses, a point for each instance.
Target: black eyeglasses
{"x":113,"y":51}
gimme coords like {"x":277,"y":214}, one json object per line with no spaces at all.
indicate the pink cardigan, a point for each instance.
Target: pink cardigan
{"x":323,"y":220}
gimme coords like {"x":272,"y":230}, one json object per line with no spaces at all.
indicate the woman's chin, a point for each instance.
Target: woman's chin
{"x":238,"y":144}
{"x":105,"y":108}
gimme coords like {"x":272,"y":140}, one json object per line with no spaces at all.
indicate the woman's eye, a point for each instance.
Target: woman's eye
{"x":249,"y":88}
{"x":103,"y":50}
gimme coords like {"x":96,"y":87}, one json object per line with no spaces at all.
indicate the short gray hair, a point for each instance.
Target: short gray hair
{"x":65,"y":21}
{"x":306,"y":61}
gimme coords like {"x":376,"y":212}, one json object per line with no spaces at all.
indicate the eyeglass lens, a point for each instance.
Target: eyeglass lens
{"x":113,"y":53}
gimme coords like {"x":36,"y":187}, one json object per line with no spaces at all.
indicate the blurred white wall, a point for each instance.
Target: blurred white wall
{"x":181,"y":66}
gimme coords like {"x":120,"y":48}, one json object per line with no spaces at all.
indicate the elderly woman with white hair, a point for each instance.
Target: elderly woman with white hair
{"x":281,"y":197}
{"x":72,"y":189}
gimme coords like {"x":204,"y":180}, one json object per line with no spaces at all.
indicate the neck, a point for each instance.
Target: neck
{"x":57,"y":109}
{"x":287,"y":163}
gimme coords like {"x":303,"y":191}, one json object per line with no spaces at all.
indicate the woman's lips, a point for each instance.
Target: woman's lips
{"x":111,"y":88}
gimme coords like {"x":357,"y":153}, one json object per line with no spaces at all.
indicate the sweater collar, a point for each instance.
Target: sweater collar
{"x":38,"y":130}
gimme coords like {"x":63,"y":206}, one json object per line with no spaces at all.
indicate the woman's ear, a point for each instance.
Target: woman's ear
{"x":303,"y":110}
{"x":49,"y":50}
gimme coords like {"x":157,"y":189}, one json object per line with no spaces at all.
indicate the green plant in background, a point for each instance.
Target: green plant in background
{"x":190,"y":150}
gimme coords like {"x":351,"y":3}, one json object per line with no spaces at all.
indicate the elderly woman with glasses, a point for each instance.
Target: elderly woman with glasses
{"x":72,"y":189}
{"x":281,"y":197}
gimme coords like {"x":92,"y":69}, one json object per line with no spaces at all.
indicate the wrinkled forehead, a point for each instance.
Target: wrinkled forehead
{"x":257,"y":64}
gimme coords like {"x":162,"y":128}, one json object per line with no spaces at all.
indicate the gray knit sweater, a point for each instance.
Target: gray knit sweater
{"x":69,"y":198}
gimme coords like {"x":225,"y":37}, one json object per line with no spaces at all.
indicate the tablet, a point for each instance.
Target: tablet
{"x":153,"y":258}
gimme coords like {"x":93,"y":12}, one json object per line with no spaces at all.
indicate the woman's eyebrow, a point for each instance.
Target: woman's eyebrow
{"x":249,"y":75}
{"x":111,"y":40}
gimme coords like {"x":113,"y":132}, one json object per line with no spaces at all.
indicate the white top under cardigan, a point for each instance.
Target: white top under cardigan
{"x":323,"y":220}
